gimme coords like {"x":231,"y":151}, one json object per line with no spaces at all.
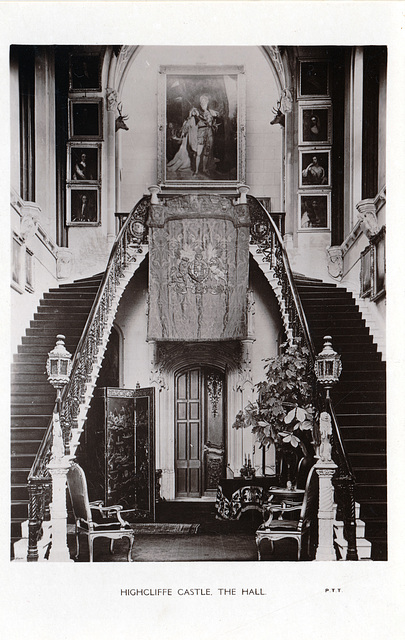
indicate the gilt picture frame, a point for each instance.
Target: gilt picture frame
{"x":202,"y":122}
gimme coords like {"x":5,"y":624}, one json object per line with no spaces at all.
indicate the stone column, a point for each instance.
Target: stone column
{"x":326,"y":510}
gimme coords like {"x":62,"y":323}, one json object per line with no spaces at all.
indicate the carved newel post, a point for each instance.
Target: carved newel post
{"x":328,"y":368}
{"x":325,"y":468}
{"x":58,"y":367}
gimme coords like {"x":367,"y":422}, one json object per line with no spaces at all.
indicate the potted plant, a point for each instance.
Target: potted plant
{"x":283,"y":414}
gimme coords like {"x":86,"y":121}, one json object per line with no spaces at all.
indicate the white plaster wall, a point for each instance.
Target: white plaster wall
{"x":138,"y":146}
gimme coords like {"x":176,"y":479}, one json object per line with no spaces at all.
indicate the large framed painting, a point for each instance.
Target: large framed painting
{"x":202,"y":117}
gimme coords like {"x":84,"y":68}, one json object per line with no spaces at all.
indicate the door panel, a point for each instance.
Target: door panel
{"x":188,"y":433}
{"x":200,"y":434}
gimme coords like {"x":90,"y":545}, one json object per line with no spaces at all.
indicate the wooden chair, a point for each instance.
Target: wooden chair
{"x":296,"y":528}
{"x":92,"y":518}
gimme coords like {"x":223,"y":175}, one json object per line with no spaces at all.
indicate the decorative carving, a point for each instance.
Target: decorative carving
{"x":29,"y":221}
{"x":112,"y":99}
{"x":214,"y":388}
{"x":245,"y":365}
{"x":367,"y":217}
{"x":335,"y":264}
{"x":214,"y":462}
{"x":64,"y":263}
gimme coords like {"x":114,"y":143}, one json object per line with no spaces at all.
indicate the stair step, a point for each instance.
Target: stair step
{"x":19,"y":509}
{"x":22,"y":461}
{"x":57,"y":324}
{"x":20,"y":434}
{"x":350,"y":334}
{"x":64,"y":305}
{"x":367,"y":460}
{"x":26,"y":379}
{"x":369,"y":492}
{"x":360,"y":445}
{"x":357,"y":420}
{"x":31,"y":421}
{"x":330,"y":301}
{"x":32,"y":408}
{"x":373,"y":509}
{"x":46,"y":333}
{"x":25,"y":447}
{"x":360,"y":408}
{"x":358,"y":376}
{"x":363,"y":476}
{"x":363,"y":432}
{"x":76,"y":295}
{"x":357,"y":396}
{"x":19,"y":476}
{"x":19,"y":492}
{"x":23,"y":396}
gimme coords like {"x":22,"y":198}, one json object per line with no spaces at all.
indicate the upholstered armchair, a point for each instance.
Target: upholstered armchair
{"x":300,"y":519}
{"x":92,"y":518}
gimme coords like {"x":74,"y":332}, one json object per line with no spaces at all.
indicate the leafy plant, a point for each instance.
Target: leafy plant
{"x":283,"y":411}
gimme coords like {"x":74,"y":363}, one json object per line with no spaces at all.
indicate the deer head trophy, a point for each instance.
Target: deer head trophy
{"x":279,"y":116}
{"x":120,"y":120}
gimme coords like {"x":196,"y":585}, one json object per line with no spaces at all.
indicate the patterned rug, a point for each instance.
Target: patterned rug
{"x":165,"y":528}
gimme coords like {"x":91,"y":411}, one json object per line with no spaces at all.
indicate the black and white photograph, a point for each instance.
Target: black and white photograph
{"x":197,"y":365}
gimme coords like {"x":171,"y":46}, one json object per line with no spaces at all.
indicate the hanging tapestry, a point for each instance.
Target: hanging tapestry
{"x":198,"y":269}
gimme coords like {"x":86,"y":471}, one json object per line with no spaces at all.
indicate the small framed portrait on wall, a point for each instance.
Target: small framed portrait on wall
{"x":315,"y":168}
{"x":83,"y":206}
{"x":314,"y":211}
{"x":315,"y":125}
{"x":85,"y":119}
{"x":85,"y":72}
{"x":83,"y":163}
{"x":314,"y":78}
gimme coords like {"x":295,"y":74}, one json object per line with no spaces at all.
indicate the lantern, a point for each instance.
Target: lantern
{"x":59,"y":365}
{"x":328,"y":366}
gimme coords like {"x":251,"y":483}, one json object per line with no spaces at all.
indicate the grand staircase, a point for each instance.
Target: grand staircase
{"x":359,"y":398}
{"x":62,"y":310}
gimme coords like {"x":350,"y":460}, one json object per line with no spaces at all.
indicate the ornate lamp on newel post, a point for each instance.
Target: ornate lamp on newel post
{"x":58,"y":368}
{"x":328,"y":368}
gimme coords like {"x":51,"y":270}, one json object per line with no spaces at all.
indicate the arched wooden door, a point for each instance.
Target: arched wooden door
{"x":199,"y":431}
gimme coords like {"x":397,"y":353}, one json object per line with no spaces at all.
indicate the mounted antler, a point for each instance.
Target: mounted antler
{"x":279,"y":116}
{"x":120,"y":120}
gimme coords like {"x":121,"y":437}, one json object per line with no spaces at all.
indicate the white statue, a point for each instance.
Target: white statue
{"x":325,"y":428}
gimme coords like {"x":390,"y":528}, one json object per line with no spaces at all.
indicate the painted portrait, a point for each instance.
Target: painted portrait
{"x":201,"y":141}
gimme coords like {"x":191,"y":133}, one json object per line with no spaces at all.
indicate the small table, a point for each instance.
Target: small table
{"x":236,"y":495}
